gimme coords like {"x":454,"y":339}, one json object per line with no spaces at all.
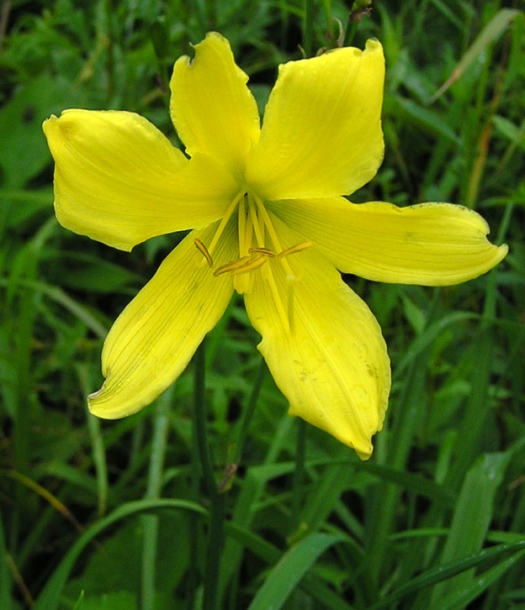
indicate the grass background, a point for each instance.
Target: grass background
{"x":111,"y":515}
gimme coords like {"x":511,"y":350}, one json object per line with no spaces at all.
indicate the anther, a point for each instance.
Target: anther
{"x":294,"y":249}
{"x":204,"y":251}
{"x":243,"y":265}
{"x":254,"y":263}
{"x":264,"y":251}
{"x":231,"y":267}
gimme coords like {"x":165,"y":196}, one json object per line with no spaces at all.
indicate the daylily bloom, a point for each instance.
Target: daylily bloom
{"x":268,"y":219}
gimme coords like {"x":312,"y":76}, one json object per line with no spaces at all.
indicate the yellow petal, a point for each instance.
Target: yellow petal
{"x":322,"y":344}
{"x":211,"y":107}
{"x":321,"y":132}
{"x":431,"y":244}
{"x":119,"y":180}
{"x":155,"y":337}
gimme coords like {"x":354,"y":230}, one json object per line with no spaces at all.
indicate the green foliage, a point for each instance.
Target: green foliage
{"x":111,"y":514}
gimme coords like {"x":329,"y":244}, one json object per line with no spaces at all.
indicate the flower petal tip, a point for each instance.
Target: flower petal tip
{"x":373,"y":44}
{"x":503,"y":251}
{"x":98,"y":406}
{"x":364,"y":455}
{"x":48,"y":122}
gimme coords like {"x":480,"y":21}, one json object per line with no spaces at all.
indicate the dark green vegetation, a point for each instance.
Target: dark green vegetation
{"x":115,"y":510}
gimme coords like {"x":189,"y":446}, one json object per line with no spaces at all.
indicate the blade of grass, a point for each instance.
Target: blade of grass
{"x":447,"y":571}
{"x":6,"y":601}
{"x":489,"y":34}
{"x":270,"y":554}
{"x":50,"y":597}
{"x":80,"y":602}
{"x":98,"y":448}
{"x":462,"y":597}
{"x":289,"y":571}
{"x":472,"y":517}
{"x":382,"y":498}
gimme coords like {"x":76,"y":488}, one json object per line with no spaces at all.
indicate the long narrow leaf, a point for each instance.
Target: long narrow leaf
{"x":287,"y":574}
{"x":459,"y":599}
{"x":444,"y":572}
{"x":5,"y":576}
{"x":490,"y":33}
{"x":472,"y":517}
{"x":50,"y":596}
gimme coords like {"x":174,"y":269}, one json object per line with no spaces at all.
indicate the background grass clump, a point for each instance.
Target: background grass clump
{"x":112,"y":514}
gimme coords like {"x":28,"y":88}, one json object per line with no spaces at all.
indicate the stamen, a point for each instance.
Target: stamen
{"x":294,"y":249}
{"x":265,"y":251}
{"x":254,"y":263}
{"x":232,"y":266}
{"x":256,"y":223}
{"x":224,"y":221}
{"x":267,"y":222}
{"x":204,"y":251}
{"x":244,"y":234}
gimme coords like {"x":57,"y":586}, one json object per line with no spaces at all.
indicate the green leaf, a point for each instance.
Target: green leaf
{"x":117,"y":600}
{"x":447,"y":571}
{"x":289,"y":571}
{"x":20,"y":125}
{"x":80,"y":602}
{"x":51,"y":594}
{"x":491,"y":32}
{"x":511,"y":131}
{"x":460,"y":598}
{"x":472,"y":517}
{"x":5,"y":576}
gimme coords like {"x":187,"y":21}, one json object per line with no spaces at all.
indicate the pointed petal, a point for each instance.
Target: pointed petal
{"x":326,"y":353}
{"x":431,"y":244}
{"x":321,"y":133}
{"x":119,"y":180}
{"x":211,"y":107}
{"x":155,"y":337}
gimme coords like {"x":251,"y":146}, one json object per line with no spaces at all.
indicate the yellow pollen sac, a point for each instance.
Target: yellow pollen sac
{"x":254,"y":263}
{"x":294,"y":249}
{"x":243,"y":265}
{"x":204,"y":251}
{"x":265,"y":251}
{"x":256,"y":259}
{"x":231,"y":267}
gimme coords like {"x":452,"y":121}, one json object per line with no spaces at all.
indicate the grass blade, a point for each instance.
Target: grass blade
{"x":447,"y":571}
{"x":489,"y":34}
{"x":289,"y":571}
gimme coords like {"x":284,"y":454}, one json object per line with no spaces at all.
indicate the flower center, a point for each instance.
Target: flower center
{"x":258,"y":239}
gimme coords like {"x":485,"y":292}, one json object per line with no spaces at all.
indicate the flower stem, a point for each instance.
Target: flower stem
{"x":199,"y":421}
{"x":217,"y":500}
{"x":248,"y":414}
{"x":308,"y":32}
{"x":298,"y":475}
{"x":150,"y":523}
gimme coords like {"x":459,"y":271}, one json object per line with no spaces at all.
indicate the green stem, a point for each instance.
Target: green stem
{"x":248,"y":414}
{"x":350,"y":31}
{"x":199,"y":421}
{"x":308,"y":33}
{"x":212,"y":14}
{"x":215,"y":546}
{"x":217,"y":500}
{"x":298,"y":475}
{"x":110,"y":62}
{"x":150,"y":523}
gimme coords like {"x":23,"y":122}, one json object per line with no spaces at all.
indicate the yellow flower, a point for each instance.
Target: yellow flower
{"x":268,"y":220}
